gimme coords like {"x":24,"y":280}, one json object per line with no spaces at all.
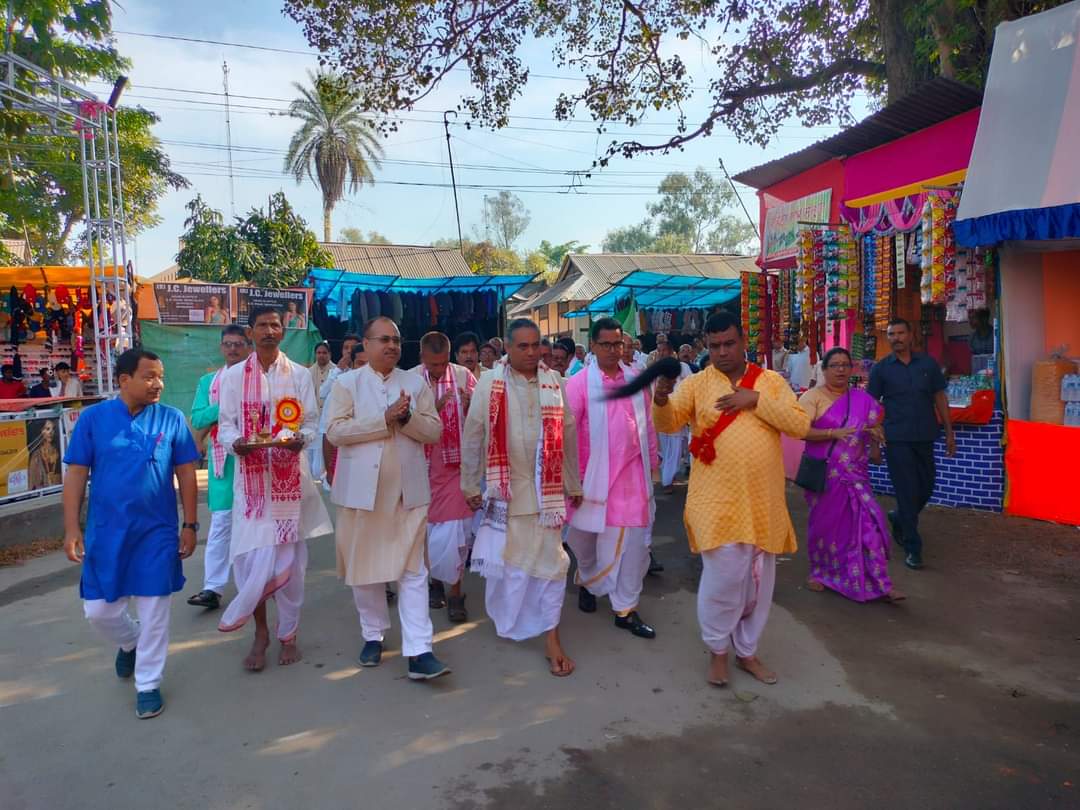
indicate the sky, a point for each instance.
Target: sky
{"x":411,"y":202}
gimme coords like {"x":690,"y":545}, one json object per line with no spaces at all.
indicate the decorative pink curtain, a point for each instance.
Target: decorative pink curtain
{"x":880,"y":219}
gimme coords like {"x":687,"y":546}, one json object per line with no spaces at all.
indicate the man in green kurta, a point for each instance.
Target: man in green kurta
{"x":204,"y":417}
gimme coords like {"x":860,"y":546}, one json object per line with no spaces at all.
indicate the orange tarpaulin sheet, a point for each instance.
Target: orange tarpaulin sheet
{"x":1041,"y":484}
{"x":39,"y":275}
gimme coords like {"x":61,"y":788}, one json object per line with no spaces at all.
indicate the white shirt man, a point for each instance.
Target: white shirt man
{"x":380,"y":417}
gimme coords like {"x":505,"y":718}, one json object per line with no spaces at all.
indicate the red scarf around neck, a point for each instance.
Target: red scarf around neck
{"x":703,"y":446}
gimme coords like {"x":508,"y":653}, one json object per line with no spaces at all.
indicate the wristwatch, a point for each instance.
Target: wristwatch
{"x":193,"y":526}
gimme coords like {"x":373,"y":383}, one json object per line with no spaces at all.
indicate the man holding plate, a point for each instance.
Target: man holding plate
{"x":268,"y":415}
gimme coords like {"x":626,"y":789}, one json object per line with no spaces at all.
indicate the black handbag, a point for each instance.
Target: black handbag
{"x":812,"y":471}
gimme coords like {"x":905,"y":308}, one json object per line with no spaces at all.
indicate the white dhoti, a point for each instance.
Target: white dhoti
{"x":149,"y":636}
{"x":447,"y":549}
{"x":417,"y":631}
{"x":612,"y":563}
{"x":216,"y":558}
{"x":521,"y":604}
{"x":671,"y":453}
{"x":269,"y":572}
{"x":734,"y":597}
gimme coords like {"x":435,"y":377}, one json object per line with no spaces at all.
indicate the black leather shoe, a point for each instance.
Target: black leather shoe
{"x":654,"y":566}
{"x":205,"y":599}
{"x":635,"y":625}
{"x":897,"y":532}
{"x":913,"y":561}
{"x":586,"y":602}
{"x":436,"y":595}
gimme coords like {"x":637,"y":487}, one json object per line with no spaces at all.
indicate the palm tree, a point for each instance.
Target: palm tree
{"x":335,"y":143}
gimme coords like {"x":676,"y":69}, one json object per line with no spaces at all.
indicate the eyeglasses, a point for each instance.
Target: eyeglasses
{"x":233,"y":344}
{"x":610,"y":347}
{"x":384,"y":339}
{"x":839,"y":366}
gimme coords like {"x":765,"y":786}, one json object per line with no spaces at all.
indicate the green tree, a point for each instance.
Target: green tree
{"x":40,"y":174}
{"x":630,"y":239}
{"x":506,"y":217}
{"x":702,"y":211}
{"x":267,"y":249}
{"x":336,"y":143}
{"x":772,"y":60}
{"x":356,"y":236}
{"x":554,"y":254}
{"x":485,"y":258}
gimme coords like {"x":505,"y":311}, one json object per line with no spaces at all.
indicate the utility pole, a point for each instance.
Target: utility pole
{"x":453,"y":180}
{"x":228,"y":139}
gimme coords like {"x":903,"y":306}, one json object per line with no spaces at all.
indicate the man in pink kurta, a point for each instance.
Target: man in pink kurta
{"x":450,"y":520}
{"x":610,"y":533}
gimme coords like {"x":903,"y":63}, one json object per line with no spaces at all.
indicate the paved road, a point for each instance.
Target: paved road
{"x":968,"y":695}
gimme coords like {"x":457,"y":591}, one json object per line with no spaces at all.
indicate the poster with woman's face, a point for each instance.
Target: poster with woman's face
{"x":43,"y":467}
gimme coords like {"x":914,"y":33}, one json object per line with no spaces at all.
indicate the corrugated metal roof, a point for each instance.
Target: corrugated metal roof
{"x":933,"y":102}
{"x":586,"y":276}
{"x":406,"y":261}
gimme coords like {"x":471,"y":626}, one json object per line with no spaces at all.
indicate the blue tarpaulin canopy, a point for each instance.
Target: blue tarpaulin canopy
{"x":333,"y":286}
{"x":661,"y":291}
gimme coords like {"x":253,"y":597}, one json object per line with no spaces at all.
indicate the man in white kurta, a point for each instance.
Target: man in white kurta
{"x":324,"y":468}
{"x":380,"y":417}
{"x":672,"y":445}
{"x":610,"y":533}
{"x":276,"y":506}
{"x":450,"y":520}
{"x":529,"y":461}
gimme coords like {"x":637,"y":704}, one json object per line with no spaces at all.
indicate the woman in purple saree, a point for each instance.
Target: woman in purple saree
{"x":847,"y":535}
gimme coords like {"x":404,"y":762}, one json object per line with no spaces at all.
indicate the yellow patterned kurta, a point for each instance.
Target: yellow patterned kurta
{"x":739,"y":498}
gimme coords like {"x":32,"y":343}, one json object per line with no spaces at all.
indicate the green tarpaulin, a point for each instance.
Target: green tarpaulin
{"x":188,"y":352}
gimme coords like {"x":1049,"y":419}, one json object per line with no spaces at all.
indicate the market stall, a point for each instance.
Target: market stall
{"x":1023,"y":196}
{"x":47,"y":317}
{"x":876,"y":241}
{"x":344,"y":301}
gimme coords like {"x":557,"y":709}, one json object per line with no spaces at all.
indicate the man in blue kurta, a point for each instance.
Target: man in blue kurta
{"x":235,"y":348}
{"x":132,"y":445}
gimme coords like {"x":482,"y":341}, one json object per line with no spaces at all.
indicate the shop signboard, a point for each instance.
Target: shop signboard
{"x":13,"y":457}
{"x":292,"y":303}
{"x":208,"y":304}
{"x":782,"y":223}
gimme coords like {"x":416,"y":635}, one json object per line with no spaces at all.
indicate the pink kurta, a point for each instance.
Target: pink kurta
{"x":628,"y":502}
{"x":447,"y":502}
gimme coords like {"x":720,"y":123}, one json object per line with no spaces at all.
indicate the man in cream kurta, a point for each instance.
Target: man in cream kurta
{"x":268,"y":552}
{"x":380,"y":417}
{"x":518,"y":547}
{"x":736,"y":513}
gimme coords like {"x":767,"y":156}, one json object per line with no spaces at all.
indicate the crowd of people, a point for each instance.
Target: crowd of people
{"x":55,"y":382}
{"x":511,"y":460}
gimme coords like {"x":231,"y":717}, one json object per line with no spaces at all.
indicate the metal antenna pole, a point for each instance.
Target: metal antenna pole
{"x":453,"y":180}
{"x":228,"y":139}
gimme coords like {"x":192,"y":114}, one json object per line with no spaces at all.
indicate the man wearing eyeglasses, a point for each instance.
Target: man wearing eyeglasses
{"x":609,"y":533}
{"x":380,"y":417}
{"x":219,"y":496}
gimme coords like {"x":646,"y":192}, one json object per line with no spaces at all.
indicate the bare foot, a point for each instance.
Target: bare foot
{"x":814,"y":585}
{"x":754,"y":666}
{"x":289,"y":654}
{"x":561,"y":663}
{"x":256,"y":659}
{"x":895,"y":596}
{"x":718,"y":671}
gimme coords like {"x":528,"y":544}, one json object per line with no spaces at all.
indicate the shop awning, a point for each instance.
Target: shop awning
{"x":338,"y":285}
{"x":41,"y":275}
{"x":1024,"y":179}
{"x":661,"y":291}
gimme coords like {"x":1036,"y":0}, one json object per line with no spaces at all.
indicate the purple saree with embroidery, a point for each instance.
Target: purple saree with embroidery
{"x":848,"y":535}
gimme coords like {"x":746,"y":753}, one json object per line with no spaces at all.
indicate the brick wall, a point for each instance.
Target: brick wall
{"x":974,"y":479}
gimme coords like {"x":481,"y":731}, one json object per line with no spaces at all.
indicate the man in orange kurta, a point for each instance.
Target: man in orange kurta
{"x":736,"y":513}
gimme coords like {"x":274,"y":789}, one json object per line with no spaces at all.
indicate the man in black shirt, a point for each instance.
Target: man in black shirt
{"x":41,"y":390}
{"x":911,"y":387}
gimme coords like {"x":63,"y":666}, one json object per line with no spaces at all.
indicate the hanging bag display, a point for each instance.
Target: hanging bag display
{"x":813,"y":471}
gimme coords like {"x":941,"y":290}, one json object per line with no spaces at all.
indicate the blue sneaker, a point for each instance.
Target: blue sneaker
{"x":426,"y":667}
{"x":149,"y":704}
{"x":371,"y":655}
{"x":125,"y":663}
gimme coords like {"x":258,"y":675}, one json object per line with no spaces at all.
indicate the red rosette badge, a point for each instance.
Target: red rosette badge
{"x":289,"y":413}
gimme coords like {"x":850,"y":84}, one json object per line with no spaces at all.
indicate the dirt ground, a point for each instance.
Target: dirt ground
{"x":965,"y":695}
